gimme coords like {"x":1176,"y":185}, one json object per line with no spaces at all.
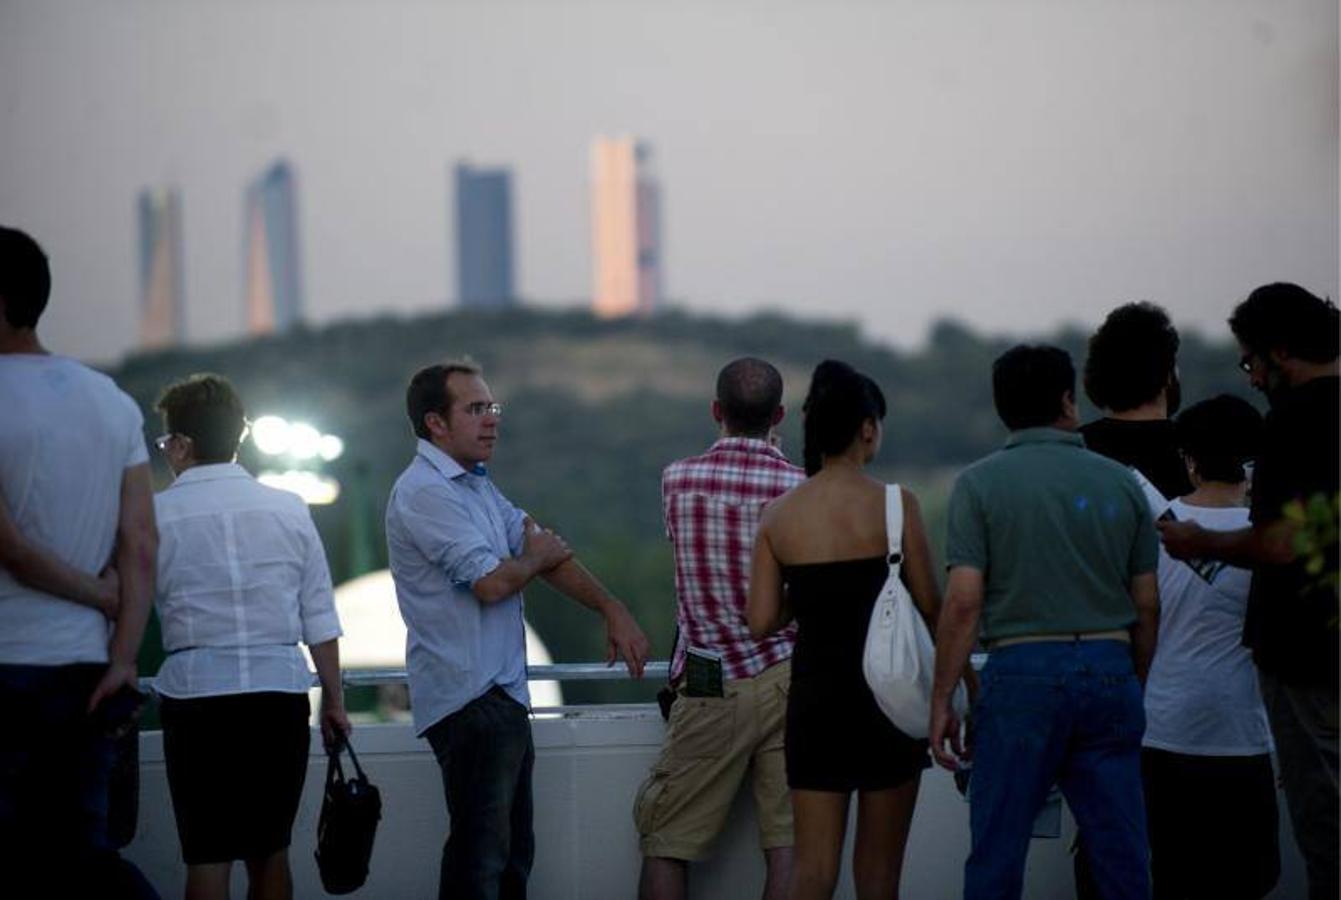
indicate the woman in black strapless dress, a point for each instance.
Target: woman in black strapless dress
{"x":820,"y":558}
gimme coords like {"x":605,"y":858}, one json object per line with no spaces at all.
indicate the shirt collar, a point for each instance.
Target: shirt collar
{"x":746,"y":445}
{"x":1044,"y":435}
{"x":211,"y":472}
{"x":448,"y":467}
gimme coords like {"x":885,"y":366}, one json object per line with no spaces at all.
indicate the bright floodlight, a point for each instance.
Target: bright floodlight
{"x":270,"y":434}
{"x":316,"y":490}
{"x":304,"y":441}
{"x":331,"y":447}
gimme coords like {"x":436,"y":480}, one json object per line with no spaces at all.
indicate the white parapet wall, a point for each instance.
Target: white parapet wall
{"x":589,"y":765}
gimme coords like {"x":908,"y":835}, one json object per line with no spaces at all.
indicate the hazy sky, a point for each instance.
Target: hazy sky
{"x":1014,"y":164}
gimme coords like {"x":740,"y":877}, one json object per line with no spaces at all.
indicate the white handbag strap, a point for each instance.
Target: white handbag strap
{"x":894,"y":526}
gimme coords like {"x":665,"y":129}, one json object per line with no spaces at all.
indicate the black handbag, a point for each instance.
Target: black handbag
{"x":117,"y":719}
{"x":349,"y":813}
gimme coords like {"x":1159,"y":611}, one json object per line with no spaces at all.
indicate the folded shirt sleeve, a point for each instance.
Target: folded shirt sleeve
{"x":316,"y":598}
{"x":439,"y":524}
{"x":515,"y":519}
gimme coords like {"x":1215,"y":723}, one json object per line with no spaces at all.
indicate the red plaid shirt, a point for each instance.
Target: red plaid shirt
{"x":712,"y":505}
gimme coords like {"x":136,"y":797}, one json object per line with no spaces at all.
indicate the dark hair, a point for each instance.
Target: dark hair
{"x":1131,"y":357}
{"x":749,"y":391}
{"x":206,"y":409}
{"x":25,"y":278}
{"x":1286,"y":317}
{"x":839,"y":401}
{"x":1029,"y":382}
{"x":1220,"y":435}
{"x":428,"y":392}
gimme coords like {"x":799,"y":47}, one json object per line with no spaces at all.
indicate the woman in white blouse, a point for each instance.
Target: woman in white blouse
{"x":242,"y":578}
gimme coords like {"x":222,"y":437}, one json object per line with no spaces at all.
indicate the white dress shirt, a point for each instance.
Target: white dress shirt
{"x":67,"y":437}
{"x":242,"y":578}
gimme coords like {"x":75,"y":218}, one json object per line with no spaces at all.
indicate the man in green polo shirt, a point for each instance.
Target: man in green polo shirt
{"x":1052,"y":551}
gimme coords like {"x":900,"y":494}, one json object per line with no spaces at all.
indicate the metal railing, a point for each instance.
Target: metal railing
{"x":656,"y":670}
{"x":652,"y":671}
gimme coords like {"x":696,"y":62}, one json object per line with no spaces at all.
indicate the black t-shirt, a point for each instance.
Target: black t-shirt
{"x":1146,"y":445}
{"x":1291,"y":622}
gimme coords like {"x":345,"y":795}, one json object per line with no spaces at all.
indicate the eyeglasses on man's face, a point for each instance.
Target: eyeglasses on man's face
{"x":481,"y":408}
{"x":162,"y":441}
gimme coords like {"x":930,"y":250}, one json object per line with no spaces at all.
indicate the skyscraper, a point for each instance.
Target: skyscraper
{"x":161,"y":271}
{"x":484,"y":237}
{"x":273,"y":266}
{"x":626,"y":228}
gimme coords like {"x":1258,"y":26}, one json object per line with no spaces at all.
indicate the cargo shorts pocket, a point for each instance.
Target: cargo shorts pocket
{"x":646,"y":802}
{"x":700,"y":728}
{"x":773,"y":718}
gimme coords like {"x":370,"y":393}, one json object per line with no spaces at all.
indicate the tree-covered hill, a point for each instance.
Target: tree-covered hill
{"x":594,"y":410}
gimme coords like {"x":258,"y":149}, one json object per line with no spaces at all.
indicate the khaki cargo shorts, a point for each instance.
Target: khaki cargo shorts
{"x":711,"y":744}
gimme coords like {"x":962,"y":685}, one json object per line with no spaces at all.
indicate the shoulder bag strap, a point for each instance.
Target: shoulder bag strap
{"x":894,"y":527}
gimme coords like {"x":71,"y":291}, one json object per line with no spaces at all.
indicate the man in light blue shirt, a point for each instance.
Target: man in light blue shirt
{"x":460,"y":555}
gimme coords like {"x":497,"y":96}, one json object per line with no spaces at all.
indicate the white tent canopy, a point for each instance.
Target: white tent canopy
{"x":374,"y":633}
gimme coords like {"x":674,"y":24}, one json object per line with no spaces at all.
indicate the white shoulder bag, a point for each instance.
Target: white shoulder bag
{"x":900,"y":659}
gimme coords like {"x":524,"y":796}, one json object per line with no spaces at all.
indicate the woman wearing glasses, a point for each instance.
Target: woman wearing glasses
{"x":242,"y":578}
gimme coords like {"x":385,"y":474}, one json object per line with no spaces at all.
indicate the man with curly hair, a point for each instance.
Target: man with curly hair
{"x":1131,"y":374}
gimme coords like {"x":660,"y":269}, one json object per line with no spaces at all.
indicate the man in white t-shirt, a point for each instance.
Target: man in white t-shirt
{"x":74,"y":481}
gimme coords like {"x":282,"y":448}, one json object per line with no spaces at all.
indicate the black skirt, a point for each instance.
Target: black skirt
{"x":838,"y":739}
{"x":236,"y":765}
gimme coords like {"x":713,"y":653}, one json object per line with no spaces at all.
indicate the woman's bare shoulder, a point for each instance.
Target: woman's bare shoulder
{"x":909,"y":499}
{"x":784,"y":505}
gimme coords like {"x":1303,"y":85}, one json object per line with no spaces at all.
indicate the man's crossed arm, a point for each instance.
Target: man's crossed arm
{"x":545,"y":554}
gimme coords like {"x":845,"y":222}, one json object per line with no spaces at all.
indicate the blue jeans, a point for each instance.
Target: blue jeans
{"x":55,"y":766}
{"x":1066,"y":713}
{"x":486,"y":756}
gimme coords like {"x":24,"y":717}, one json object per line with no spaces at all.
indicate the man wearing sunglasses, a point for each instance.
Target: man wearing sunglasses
{"x":74,"y":483}
{"x":460,"y":555}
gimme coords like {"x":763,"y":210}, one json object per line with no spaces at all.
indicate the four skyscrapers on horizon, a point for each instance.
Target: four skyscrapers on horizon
{"x":625,"y":234}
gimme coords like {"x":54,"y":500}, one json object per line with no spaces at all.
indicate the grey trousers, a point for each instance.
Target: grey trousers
{"x":1304,"y":725}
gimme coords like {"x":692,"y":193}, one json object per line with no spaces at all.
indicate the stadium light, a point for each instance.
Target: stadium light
{"x":277,"y":436}
{"x":315,"y":489}
{"x":301,"y":446}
